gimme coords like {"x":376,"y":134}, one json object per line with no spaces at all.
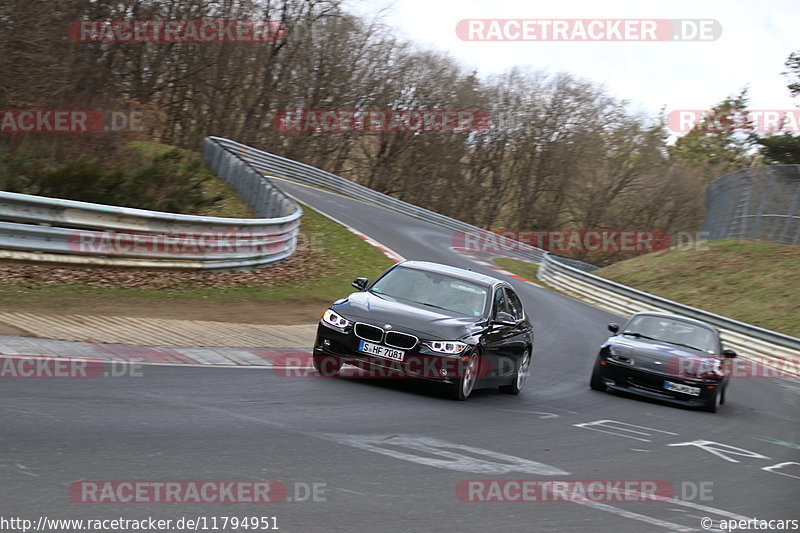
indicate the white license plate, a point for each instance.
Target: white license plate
{"x":680,"y":387}
{"x":381,"y":351}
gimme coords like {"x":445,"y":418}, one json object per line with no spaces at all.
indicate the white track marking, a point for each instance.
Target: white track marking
{"x":438,"y":453}
{"x":774,"y":469}
{"x":610,"y":427}
{"x":720,"y":450}
{"x":636,"y":516}
{"x":656,"y":521}
{"x":348,"y":441}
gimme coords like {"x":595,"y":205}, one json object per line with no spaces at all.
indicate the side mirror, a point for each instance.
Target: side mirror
{"x":730,"y":354}
{"x":613,"y":328}
{"x":360,"y":283}
{"x":505,"y":319}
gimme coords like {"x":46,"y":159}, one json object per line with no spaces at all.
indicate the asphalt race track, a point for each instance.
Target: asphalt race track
{"x":390,"y":455}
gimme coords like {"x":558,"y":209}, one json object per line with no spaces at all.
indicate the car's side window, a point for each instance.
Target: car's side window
{"x":500,"y":304}
{"x":514,"y":305}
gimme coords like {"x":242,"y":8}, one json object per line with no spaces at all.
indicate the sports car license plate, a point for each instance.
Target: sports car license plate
{"x":381,"y":351}
{"x":680,"y":387}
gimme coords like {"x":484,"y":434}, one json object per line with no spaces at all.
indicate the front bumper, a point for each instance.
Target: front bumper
{"x":417,"y":362}
{"x":626,"y":378}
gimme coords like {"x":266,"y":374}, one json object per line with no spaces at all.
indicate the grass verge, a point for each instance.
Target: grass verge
{"x":339,"y":257}
{"x":755,"y":282}
{"x":520,"y":268}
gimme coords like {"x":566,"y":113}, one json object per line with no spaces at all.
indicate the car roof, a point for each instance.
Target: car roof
{"x":455,"y":272}
{"x":677,"y":317}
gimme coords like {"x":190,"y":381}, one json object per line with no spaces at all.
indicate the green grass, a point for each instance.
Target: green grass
{"x":755,"y":282}
{"x":520,"y":268}
{"x":227,"y":203}
{"x":141,"y":175}
{"x":340,"y":256}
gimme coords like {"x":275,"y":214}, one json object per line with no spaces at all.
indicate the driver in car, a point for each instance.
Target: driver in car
{"x":420,"y":289}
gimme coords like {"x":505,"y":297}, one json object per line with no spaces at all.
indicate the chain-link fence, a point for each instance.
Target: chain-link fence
{"x":761,"y":203}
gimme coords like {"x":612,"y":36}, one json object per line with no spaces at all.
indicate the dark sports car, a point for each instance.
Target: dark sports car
{"x":430,"y":321}
{"x":667,"y":357}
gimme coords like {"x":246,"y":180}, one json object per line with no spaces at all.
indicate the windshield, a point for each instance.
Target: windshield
{"x":673,"y":331}
{"x":430,"y":289}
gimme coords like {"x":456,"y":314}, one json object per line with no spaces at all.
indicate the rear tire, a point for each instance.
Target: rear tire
{"x":327,"y":365}
{"x":597,"y":382}
{"x":520,"y":376}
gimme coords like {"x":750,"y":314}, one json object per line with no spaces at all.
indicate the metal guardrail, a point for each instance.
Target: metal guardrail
{"x":36,"y":228}
{"x":568,"y":275}
{"x":271,"y":164}
{"x":760,"y":203}
{"x":768,"y":347}
{"x":51,"y":228}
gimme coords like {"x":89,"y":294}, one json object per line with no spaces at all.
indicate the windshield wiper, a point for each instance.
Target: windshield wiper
{"x":639,"y":335}
{"x":643,"y":336}
{"x":434,"y":306}
{"x":684,"y":345}
{"x":409,"y":300}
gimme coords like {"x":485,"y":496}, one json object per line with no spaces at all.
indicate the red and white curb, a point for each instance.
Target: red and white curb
{"x":491,"y":265}
{"x":26,"y":357}
{"x":388,"y":252}
{"x":12,"y":347}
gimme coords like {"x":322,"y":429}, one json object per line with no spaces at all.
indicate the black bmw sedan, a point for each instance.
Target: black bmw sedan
{"x":666,"y":357}
{"x":430,"y":321}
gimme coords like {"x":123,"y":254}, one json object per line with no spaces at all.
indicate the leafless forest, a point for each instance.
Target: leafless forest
{"x":561,"y":151}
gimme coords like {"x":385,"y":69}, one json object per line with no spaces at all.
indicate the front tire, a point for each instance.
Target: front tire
{"x":464,"y":386}
{"x":597,"y":382}
{"x":713,"y":403}
{"x":327,"y":365}
{"x":520,"y":377}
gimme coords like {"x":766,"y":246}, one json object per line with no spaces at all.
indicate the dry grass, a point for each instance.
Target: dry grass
{"x":755,"y":282}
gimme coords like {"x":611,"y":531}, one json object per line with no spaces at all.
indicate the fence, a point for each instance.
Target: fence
{"x":761,"y":203}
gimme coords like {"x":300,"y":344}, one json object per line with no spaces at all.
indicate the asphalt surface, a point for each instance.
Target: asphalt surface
{"x":391,"y":455}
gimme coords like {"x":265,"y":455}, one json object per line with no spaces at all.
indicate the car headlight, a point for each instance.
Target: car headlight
{"x":335,"y":320}
{"x":448,"y":347}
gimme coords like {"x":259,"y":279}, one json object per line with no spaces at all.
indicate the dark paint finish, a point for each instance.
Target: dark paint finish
{"x":497,"y":339}
{"x":629,"y":362}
